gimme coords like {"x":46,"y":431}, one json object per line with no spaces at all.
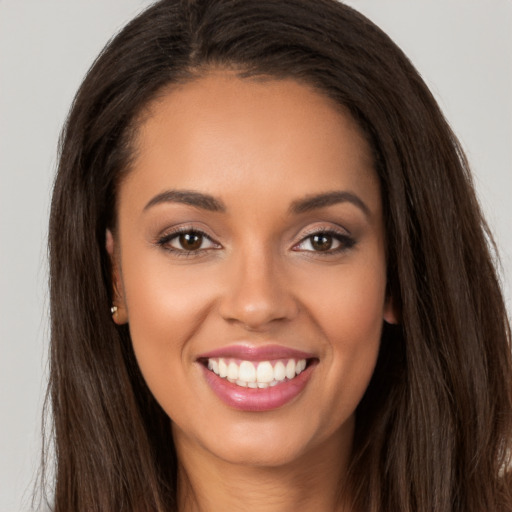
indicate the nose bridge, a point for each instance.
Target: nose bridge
{"x":257,"y":290}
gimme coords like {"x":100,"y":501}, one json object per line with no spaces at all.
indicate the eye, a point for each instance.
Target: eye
{"x":325,"y":242}
{"x":187,"y":241}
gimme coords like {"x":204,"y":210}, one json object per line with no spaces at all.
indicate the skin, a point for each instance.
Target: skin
{"x":257,"y":146}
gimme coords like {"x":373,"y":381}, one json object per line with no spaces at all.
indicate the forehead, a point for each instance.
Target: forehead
{"x":228,"y":135}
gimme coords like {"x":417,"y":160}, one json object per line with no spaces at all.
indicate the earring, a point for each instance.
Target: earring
{"x":113,"y":310}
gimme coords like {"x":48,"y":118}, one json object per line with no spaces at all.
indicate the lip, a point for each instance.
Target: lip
{"x":257,"y":353}
{"x":257,"y":399}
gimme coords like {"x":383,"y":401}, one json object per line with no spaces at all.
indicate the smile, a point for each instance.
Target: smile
{"x":257,"y":379}
{"x":260,"y":375}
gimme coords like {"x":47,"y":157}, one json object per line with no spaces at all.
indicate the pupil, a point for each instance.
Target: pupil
{"x":322,"y":242}
{"x":191,"y":241}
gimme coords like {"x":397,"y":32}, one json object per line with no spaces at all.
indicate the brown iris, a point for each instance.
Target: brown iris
{"x":191,"y":241}
{"x":321,"y":242}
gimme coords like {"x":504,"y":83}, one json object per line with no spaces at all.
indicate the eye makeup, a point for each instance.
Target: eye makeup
{"x":188,"y":241}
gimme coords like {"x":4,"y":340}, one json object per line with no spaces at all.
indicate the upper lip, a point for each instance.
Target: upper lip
{"x":256,"y":353}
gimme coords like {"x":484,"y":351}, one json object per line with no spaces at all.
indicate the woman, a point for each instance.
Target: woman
{"x":270,"y":279}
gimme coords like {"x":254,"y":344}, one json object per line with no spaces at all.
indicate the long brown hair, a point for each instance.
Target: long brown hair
{"x":434,"y":427}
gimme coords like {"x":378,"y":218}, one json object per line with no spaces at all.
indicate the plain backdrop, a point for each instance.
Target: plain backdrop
{"x":462,"y":48}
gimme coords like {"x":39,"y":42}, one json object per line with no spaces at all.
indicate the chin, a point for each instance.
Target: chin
{"x":267,"y":443}
{"x":277,"y":453}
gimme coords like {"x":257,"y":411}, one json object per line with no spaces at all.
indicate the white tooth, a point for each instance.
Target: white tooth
{"x":247,"y":372}
{"x":300,"y":366}
{"x":279,"y":371}
{"x":214,"y":366}
{"x":265,"y":372}
{"x":290,"y":369}
{"x":263,"y":384}
{"x":233,"y":371}
{"x":210,"y":367}
{"x":252,"y":384}
{"x":233,"y":381}
{"x":241,"y":383}
{"x":274,"y":383}
{"x":223,"y":368}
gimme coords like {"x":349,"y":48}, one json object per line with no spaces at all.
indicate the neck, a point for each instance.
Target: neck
{"x":310,"y":483}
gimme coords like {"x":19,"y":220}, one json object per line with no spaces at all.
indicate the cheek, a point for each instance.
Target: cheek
{"x":348,"y":308}
{"x":349,"y":302}
{"x":166,"y":306}
{"x":163,"y":298}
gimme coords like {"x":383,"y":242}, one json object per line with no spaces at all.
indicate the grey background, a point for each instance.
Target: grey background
{"x":463,"y":49}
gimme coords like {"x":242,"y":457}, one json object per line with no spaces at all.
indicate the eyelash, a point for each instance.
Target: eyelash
{"x":346,"y":242}
{"x":184,"y":253}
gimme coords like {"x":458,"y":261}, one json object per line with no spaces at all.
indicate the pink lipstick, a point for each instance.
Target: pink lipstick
{"x":257,"y":379}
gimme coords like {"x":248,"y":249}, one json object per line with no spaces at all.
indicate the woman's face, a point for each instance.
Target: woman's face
{"x":250,"y":265}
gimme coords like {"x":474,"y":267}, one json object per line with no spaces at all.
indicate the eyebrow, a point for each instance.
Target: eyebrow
{"x":325,"y":199}
{"x":189,"y":197}
{"x":210,"y":203}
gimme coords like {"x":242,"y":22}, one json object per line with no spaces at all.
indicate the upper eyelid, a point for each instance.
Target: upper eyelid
{"x":331,"y":232}
{"x":324,"y":229}
{"x":169,"y":233}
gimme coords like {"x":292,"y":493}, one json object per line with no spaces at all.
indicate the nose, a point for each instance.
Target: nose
{"x":257,"y":292}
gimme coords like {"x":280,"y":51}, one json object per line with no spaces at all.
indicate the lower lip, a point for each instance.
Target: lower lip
{"x":257,"y":399}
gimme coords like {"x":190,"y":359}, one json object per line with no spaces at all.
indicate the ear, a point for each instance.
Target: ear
{"x":391,"y":315}
{"x":119,"y":313}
